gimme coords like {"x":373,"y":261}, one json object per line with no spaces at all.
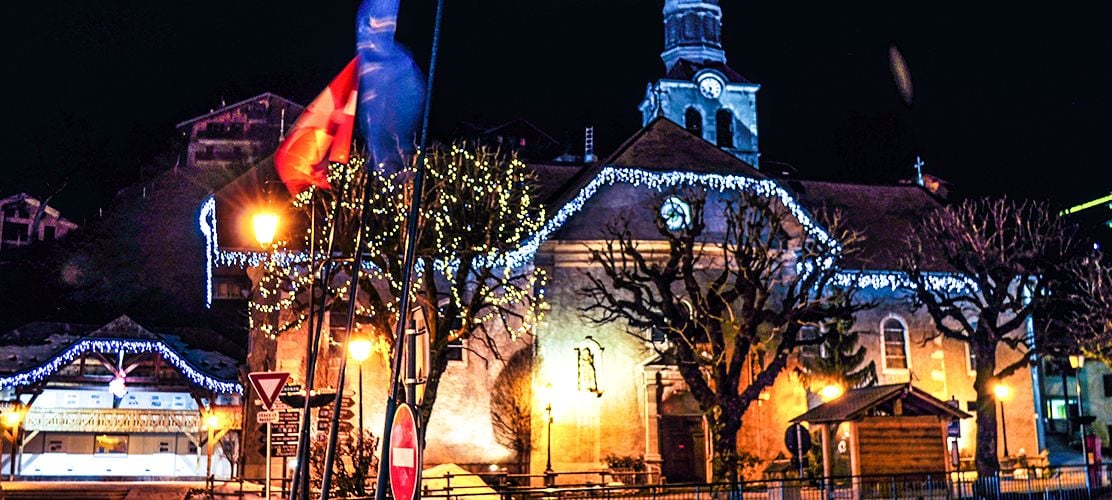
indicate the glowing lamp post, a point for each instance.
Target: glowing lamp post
{"x":12,"y":419}
{"x":360,"y":350}
{"x":546,"y":396}
{"x":1003,"y":393}
{"x":215,"y":426}
{"x":1077,"y":362}
{"x":266,"y":226}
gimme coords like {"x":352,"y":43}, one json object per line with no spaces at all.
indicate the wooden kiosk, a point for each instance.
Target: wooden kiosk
{"x":895,"y":430}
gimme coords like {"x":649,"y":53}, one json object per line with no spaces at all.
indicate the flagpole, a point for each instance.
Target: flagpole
{"x":407,"y":267}
{"x":337,"y":403}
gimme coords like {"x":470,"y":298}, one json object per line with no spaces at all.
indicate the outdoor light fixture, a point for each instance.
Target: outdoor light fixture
{"x":360,"y":349}
{"x":266,"y":225}
{"x":830,"y":392}
{"x":1077,"y":362}
{"x":212,"y":421}
{"x":1003,"y":392}
{"x":12,"y":417}
{"x":117,"y":387}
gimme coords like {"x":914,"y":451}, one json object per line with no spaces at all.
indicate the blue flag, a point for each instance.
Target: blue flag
{"x":391,"y":86}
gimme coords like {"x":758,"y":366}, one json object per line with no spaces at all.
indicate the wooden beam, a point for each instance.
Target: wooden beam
{"x":136,"y":361}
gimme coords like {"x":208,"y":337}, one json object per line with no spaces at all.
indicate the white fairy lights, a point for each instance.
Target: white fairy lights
{"x":83,"y":346}
{"x":658,"y":181}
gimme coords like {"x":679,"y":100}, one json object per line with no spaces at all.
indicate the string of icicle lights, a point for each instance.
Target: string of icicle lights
{"x":83,"y":346}
{"x":659,"y":181}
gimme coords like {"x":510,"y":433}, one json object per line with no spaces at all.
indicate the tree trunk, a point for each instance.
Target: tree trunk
{"x":986,"y":460}
{"x":724,"y":441}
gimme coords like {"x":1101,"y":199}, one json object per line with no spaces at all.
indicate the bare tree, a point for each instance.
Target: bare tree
{"x":477,"y":207}
{"x":720,"y":295}
{"x":1013,"y":255}
{"x":1090,"y":318}
{"x":511,"y":409}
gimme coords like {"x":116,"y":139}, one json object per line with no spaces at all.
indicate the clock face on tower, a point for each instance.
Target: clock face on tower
{"x":710,"y":87}
{"x":676,"y":213}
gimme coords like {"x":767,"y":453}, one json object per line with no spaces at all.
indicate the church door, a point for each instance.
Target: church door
{"x":681,"y":448}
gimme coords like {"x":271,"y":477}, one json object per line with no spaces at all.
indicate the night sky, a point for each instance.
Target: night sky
{"x":1009,"y":101}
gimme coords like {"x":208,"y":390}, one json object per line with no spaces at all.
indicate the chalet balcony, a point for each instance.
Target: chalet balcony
{"x":103,"y":420}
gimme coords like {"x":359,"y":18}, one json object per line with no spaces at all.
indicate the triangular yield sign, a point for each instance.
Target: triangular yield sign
{"x":268,"y":385}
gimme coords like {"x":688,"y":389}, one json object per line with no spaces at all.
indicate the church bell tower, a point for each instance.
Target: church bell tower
{"x":699,"y":91}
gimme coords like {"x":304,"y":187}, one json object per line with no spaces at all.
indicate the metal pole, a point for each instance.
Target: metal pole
{"x":827,"y":461}
{"x":407,"y":261}
{"x":337,"y":404}
{"x":799,"y":448}
{"x":1081,"y":426}
{"x":1004,"y":428}
{"x":548,"y":451}
{"x":360,"y":405}
{"x":266,"y":486}
{"x":295,"y":481}
{"x":208,"y":465}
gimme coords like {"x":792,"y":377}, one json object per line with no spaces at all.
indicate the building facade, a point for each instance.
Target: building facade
{"x":601,"y":390}
{"x":117,"y":400}
{"x":23,"y":220}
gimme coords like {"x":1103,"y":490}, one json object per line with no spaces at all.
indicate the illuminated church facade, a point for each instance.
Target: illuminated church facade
{"x":597,"y":390}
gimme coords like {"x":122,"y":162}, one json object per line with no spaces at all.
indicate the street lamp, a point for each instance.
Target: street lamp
{"x":215,"y":426}
{"x":830,"y":392}
{"x":548,"y":477}
{"x":13,"y":418}
{"x":266,"y":226}
{"x":1003,"y":392}
{"x":1077,"y":362}
{"x":360,"y":350}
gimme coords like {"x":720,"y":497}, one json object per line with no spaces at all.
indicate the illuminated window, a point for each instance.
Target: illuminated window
{"x":229,"y":288}
{"x":111,"y":444}
{"x":894,"y":344}
{"x":970,"y":359}
{"x":724,"y":123}
{"x":1060,"y":409}
{"x":693,"y":121}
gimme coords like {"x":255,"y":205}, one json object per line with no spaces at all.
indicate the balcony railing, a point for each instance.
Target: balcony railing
{"x":120,"y":421}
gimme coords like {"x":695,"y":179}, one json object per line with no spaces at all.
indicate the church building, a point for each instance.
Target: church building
{"x":604,"y":391}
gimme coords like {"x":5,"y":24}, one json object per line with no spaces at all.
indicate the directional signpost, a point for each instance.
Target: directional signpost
{"x":405,"y":454}
{"x":268,"y":385}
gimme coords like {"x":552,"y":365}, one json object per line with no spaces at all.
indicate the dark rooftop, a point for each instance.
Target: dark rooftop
{"x":33,"y":344}
{"x":879,"y":400}
{"x":884,"y":215}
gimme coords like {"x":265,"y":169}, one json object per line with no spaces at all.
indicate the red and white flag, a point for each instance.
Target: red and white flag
{"x":322,"y":134}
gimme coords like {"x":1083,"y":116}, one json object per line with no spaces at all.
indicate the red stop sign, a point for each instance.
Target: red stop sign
{"x":405,"y":455}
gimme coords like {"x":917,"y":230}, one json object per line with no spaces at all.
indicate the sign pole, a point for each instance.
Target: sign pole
{"x":266,"y":486}
{"x":799,"y":449}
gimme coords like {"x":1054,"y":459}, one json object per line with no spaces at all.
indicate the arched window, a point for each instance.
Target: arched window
{"x":724,"y":122}
{"x":894,"y":345}
{"x":693,"y":121}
